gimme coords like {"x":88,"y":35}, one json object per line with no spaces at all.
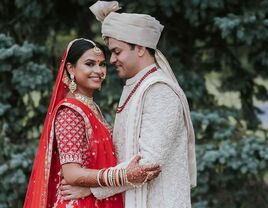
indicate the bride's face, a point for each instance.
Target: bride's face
{"x":89,"y":71}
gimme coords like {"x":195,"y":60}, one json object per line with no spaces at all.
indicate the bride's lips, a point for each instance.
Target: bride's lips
{"x":95,"y":78}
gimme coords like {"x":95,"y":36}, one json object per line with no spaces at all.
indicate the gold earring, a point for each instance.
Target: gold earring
{"x":72,"y":84}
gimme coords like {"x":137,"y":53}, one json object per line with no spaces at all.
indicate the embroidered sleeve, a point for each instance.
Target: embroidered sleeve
{"x":160,"y":124}
{"x":70,"y":135}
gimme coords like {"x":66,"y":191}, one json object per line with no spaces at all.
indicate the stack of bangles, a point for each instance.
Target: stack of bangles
{"x":115,"y":177}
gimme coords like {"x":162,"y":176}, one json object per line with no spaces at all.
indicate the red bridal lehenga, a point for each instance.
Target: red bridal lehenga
{"x":71,"y":133}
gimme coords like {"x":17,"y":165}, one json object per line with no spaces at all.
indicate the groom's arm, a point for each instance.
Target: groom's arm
{"x":161,"y":118}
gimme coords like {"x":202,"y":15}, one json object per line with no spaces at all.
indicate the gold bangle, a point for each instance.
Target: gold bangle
{"x":105,"y":177}
{"x":99,"y":177}
{"x":116,"y":177}
{"x":113,"y":177}
{"x":124,"y":176}
{"x":110,"y":177}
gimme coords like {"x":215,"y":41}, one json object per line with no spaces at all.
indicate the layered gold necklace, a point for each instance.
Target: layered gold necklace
{"x":88,"y":101}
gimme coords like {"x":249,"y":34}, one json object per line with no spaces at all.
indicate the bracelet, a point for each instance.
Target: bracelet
{"x":124,"y":176}
{"x":99,"y":177}
{"x":105,"y":177}
{"x":110,"y":177}
{"x":121,"y":180}
{"x":113,"y":177}
{"x":117,"y":177}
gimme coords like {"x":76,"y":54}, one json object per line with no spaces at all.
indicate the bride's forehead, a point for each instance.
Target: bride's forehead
{"x":91,"y":55}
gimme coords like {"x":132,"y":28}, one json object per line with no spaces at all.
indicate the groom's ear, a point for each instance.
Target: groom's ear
{"x":106,"y":41}
{"x":141,"y":50}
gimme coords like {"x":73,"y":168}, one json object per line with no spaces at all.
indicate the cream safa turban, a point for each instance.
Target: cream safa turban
{"x":144,"y":30}
{"x":140,"y":29}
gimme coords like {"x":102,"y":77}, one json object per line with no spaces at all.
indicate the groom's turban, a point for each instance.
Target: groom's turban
{"x":140,"y":29}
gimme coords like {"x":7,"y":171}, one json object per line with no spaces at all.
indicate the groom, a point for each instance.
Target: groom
{"x":153,"y":117}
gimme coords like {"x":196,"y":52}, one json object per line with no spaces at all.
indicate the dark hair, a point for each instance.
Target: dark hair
{"x":150,"y":50}
{"x":78,"y":48}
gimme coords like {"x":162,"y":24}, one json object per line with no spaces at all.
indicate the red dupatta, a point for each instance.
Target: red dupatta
{"x":42,"y":184}
{"x":37,"y":192}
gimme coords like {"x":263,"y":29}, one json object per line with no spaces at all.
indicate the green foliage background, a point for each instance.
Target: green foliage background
{"x":224,"y":42}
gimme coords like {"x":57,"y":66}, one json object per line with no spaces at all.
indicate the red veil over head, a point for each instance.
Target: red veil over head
{"x":37,"y":192}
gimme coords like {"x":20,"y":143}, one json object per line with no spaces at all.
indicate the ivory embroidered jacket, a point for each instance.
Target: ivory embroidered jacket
{"x":162,"y":139}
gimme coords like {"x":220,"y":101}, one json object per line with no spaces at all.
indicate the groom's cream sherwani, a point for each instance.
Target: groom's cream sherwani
{"x":153,"y":124}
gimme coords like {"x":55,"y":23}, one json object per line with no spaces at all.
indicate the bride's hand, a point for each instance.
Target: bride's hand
{"x":69,"y":192}
{"x":137,"y":174}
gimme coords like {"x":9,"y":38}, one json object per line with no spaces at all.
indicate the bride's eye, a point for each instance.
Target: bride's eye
{"x":90,"y":64}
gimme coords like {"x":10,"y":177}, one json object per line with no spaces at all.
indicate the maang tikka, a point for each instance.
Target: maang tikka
{"x":72,"y":84}
{"x":96,"y":49}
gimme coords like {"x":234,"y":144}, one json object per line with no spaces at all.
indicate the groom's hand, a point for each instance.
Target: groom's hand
{"x":69,"y":192}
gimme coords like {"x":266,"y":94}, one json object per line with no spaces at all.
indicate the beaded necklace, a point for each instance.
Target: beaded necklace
{"x":120,"y":108}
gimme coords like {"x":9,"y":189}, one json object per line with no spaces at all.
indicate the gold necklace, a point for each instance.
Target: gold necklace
{"x":88,"y":101}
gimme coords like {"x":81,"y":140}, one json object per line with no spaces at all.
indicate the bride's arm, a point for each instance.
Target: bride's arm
{"x":77,"y":178}
{"x":70,"y":145}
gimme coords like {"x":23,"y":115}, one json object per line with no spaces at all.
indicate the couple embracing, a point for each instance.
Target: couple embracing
{"x":149,"y":159}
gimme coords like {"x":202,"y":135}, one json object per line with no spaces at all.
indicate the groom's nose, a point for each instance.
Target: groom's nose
{"x":113,"y":59}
